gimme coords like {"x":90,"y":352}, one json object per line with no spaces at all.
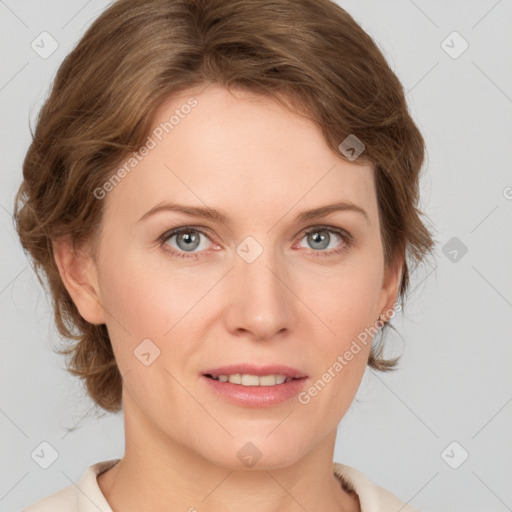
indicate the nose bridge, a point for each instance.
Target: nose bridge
{"x":261,"y":302}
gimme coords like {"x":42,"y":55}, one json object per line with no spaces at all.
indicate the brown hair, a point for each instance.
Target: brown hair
{"x":310,"y":54}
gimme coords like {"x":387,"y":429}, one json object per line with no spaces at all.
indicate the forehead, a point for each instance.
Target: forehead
{"x":240,"y":152}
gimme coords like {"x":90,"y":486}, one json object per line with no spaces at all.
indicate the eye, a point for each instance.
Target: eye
{"x":320,"y":238}
{"x":183,"y":241}
{"x":186,"y":240}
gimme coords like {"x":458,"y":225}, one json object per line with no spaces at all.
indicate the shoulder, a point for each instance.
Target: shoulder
{"x":372,"y":497}
{"x":65,"y":499}
{"x":84,"y":496}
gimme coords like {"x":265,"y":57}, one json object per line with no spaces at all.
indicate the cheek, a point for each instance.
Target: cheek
{"x":135,"y":293}
{"x":150,"y":302}
{"x":147,"y":314}
{"x":345,"y":302}
{"x":345,"y":298}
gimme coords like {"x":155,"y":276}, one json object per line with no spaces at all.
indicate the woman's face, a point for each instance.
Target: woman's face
{"x":252,"y":291}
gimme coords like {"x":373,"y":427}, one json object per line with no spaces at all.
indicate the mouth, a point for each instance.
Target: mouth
{"x":252,"y":375}
{"x":251,"y":386}
{"x":247,"y":379}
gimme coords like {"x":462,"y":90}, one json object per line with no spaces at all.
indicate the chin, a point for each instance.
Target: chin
{"x":256,"y":452}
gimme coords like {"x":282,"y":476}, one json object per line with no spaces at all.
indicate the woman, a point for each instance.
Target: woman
{"x":223,"y":199}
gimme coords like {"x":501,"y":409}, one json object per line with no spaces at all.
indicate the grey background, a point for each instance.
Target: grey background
{"x":454,"y":382}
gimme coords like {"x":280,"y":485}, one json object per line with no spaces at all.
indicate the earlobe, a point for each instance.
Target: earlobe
{"x":78,"y":273}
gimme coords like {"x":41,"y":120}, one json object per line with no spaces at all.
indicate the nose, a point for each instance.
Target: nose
{"x":259,"y":301}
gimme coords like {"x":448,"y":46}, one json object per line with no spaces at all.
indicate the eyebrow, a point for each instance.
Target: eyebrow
{"x":220,"y":216}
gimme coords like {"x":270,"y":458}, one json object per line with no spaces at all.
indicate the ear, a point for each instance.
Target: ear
{"x":77,"y":270}
{"x":390,"y":286}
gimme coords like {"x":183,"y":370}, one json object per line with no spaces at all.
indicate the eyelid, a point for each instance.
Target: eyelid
{"x":174,"y":231}
{"x":321,"y":227}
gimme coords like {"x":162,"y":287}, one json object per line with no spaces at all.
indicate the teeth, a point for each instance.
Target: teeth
{"x":253,"y":380}
{"x":235,"y":379}
{"x":250,"y":380}
{"x":268,"y":380}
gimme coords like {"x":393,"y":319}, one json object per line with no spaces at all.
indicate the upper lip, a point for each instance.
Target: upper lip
{"x":250,"y":369}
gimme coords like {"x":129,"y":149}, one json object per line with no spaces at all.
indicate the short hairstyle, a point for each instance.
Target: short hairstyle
{"x":310,"y":55}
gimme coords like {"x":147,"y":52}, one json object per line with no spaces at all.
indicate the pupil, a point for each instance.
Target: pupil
{"x":189,"y":239}
{"x":317,"y":237}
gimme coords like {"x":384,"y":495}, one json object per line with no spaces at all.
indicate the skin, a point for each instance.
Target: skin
{"x":262,"y":165}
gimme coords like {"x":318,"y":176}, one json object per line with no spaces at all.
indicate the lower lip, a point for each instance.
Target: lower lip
{"x":257,"y":396}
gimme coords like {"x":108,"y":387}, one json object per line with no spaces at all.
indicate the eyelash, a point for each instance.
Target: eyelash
{"x":345,"y":236}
